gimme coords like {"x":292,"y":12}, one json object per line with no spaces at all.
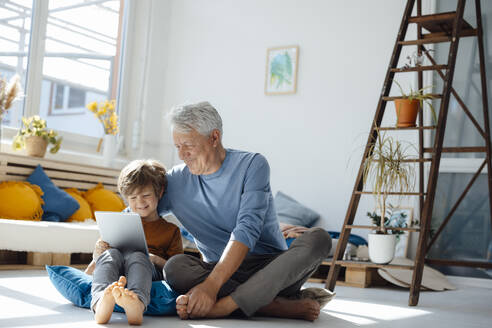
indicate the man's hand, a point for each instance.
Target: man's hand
{"x":100,"y":247}
{"x":202,"y":298}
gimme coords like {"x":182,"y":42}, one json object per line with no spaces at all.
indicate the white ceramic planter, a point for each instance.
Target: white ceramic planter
{"x":110,"y":149}
{"x":381,"y":248}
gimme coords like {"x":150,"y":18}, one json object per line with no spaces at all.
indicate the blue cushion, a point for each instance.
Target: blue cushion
{"x":291,"y":211}
{"x":75,"y":286}
{"x":58,"y":205}
{"x":353,"y":239}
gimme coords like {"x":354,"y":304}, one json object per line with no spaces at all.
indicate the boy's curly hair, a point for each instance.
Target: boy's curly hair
{"x":140,"y":173}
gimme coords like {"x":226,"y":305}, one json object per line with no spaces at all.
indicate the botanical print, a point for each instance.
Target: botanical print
{"x":281,"y":70}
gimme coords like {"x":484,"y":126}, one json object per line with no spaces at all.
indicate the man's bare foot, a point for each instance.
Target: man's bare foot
{"x":105,"y":306}
{"x":222,"y":308}
{"x":181,"y":306}
{"x":321,"y":295}
{"x":130,"y":302}
{"x":306,"y":309}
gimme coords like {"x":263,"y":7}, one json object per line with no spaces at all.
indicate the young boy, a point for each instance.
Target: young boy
{"x":142,"y":183}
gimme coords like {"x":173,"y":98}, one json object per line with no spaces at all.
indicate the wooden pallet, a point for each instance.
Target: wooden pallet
{"x":351,"y":275}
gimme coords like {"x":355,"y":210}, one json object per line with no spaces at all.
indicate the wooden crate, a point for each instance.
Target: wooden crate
{"x":352,"y":276}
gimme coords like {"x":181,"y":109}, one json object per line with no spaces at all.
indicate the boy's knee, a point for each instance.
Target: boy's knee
{"x":319,"y":241}
{"x":138,"y":256}
{"x":112,"y":255}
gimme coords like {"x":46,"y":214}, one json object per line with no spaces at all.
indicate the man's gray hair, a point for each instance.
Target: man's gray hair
{"x":201,"y":116}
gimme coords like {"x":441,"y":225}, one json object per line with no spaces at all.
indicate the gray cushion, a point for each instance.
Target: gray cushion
{"x":291,"y":211}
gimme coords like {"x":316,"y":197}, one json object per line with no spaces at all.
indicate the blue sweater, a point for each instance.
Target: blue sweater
{"x":234,"y":203}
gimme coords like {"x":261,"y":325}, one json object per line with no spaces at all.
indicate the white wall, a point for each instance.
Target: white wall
{"x":216,"y":51}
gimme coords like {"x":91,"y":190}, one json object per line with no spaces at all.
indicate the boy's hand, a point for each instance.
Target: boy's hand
{"x":100,"y":247}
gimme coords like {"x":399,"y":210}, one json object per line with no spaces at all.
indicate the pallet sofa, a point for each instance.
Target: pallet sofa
{"x":51,"y":242}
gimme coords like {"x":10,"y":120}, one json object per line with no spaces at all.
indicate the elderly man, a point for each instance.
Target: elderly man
{"x":223,"y":198}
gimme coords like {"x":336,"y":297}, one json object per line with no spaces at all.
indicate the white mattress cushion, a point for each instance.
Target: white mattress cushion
{"x":48,"y":237}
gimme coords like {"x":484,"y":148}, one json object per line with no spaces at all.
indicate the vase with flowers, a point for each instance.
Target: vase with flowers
{"x":9,"y":92}
{"x":105,"y":112}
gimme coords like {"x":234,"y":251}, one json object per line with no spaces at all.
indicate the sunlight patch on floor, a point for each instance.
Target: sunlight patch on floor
{"x":17,"y":308}
{"x":362,"y":313}
{"x":351,"y":318}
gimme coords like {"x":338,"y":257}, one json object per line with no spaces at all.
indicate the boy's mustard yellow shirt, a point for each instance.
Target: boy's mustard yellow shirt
{"x":163,"y":238}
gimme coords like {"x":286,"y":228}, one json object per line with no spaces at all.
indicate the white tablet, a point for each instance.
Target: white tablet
{"x":123,"y":231}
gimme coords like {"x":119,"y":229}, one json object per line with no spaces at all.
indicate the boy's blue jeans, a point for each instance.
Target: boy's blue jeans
{"x":135,"y":266}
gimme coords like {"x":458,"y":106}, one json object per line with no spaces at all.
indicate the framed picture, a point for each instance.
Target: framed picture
{"x":401,"y":248}
{"x":281,"y":70}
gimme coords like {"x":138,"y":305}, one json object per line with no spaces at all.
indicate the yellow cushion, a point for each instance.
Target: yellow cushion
{"x":20,"y":201}
{"x":84,"y":212}
{"x":101,"y":199}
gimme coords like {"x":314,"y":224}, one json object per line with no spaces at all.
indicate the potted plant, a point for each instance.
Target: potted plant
{"x":408,"y":107}
{"x":386,"y":170}
{"x":35,"y":137}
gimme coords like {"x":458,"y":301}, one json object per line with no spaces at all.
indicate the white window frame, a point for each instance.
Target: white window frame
{"x":447,"y":165}
{"x":74,"y":145}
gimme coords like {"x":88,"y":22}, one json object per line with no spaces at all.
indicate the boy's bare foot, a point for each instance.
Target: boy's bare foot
{"x":181,"y":306}
{"x":130,"y":302}
{"x":306,"y":309}
{"x":105,"y":306}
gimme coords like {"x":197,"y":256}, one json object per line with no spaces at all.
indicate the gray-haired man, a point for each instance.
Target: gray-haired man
{"x":223,"y":198}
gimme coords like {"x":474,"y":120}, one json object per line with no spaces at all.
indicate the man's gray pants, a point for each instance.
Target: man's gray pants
{"x":260,"y":278}
{"x":112,"y":264}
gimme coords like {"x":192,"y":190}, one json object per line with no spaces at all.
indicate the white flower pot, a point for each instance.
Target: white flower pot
{"x":110,"y":149}
{"x":381,"y":248}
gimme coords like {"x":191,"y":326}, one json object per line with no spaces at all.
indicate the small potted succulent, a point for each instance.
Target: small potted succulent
{"x":35,"y":137}
{"x":409,"y":105}
{"x":386,"y":171}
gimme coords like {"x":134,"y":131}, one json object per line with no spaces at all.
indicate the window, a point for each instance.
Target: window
{"x":467,"y":236}
{"x":66,"y":99}
{"x":77,"y":64}
{"x":15,"y":24}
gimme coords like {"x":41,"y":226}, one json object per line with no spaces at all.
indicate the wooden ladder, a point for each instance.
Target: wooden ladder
{"x":442,"y":27}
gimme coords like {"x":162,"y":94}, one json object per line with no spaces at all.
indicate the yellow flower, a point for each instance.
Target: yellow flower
{"x":92,"y":106}
{"x":101,"y":111}
{"x":106,"y":114}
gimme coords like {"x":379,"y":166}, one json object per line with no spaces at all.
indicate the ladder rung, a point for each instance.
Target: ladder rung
{"x":360,"y":264}
{"x":463,"y":34}
{"x":458,"y":150}
{"x":419,"y":68}
{"x":466,"y":263}
{"x":441,"y":22}
{"x":433,"y":95}
{"x":437,"y":39}
{"x":414,"y":160}
{"x":430,"y":127}
{"x":448,"y":16}
{"x":375,"y":228}
{"x":392,"y":193}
